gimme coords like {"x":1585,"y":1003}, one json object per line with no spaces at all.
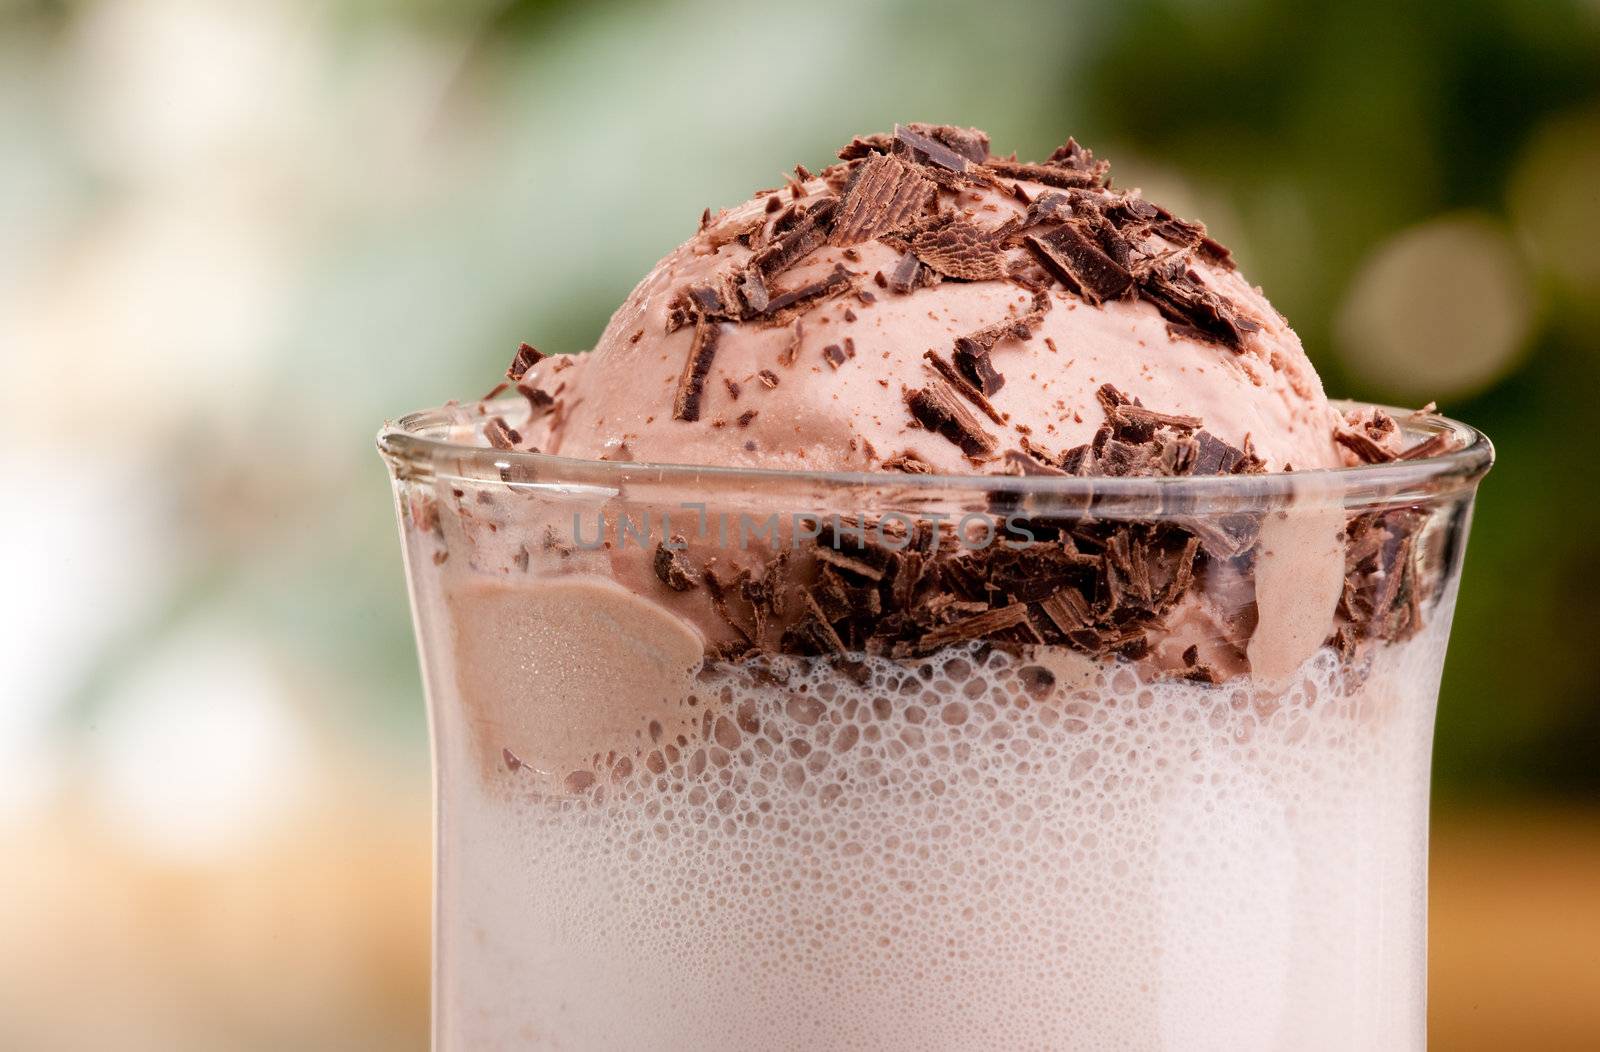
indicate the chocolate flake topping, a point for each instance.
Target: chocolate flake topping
{"x":909,"y":463}
{"x":978,"y":626}
{"x":692,"y":381}
{"x":1071,"y":155}
{"x":526,"y":358}
{"x":797,"y":333}
{"x":1383,"y":589}
{"x":1181,"y":297}
{"x":967,"y":389}
{"x":865,"y":146}
{"x":958,"y":248}
{"x":1128,"y":417}
{"x":972,"y":350}
{"x":1363,"y":447}
{"x":500,"y":434}
{"x":1081,"y":264}
{"x":808,"y":233}
{"x":1100,"y":586}
{"x":908,"y":274}
{"x":936,"y":152}
{"x":1048,"y":174}
{"x":1139,"y":442}
{"x":886,"y":194}
{"x":1027,"y":461}
{"x":813,"y":633}
{"x":672,"y":568}
{"x":538,"y":401}
{"x":935,"y":408}
{"x":834,"y":283}
{"x":969,"y":142}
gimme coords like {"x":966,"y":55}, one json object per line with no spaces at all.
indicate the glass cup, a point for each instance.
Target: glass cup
{"x":744,"y":759}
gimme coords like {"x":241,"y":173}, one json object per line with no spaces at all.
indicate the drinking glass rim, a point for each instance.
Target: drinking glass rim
{"x":415,"y":454}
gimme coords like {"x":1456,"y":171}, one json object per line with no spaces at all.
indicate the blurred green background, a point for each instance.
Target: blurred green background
{"x":237,"y":236}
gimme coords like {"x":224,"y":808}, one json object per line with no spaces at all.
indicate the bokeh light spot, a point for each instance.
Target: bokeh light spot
{"x":1439,"y":311}
{"x":201,"y":751}
{"x":1555,"y":199}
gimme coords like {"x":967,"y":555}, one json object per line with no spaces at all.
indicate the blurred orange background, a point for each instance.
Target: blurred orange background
{"x":239,"y":236}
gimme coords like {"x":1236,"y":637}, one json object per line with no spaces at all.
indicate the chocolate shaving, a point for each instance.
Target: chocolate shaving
{"x":1081,"y":264}
{"x":885,"y":195}
{"x":972,"y":359}
{"x":865,"y":146}
{"x":692,"y":381}
{"x":850,"y":562}
{"x":935,"y":408}
{"x":1383,"y":591}
{"x":1070,"y":155}
{"x":1028,"y":461}
{"x":1046,"y":207}
{"x":792,"y":348}
{"x":978,"y":626}
{"x":1381,"y":425}
{"x":966,"y":389}
{"x":812,"y":634}
{"x":834,"y":283}
{"x":500,"y":434}
{"x":1129,"y":419}
{"x":908,"y":274}
{"x":808,"y":233}
{"x":719,"y":600}
{"x":538,"y":401}
{"x":1216,"y":457}
{"x":1181,"y":297}
{"x":908,"y":462}
{"x":751,"y":288}
{"x":672,"y":568}
{"x":768,"y":378}
{"x":526,"y":358}
{"x":931,"y":149}
{"x":1048,"y":174}
{"x":972,"y":350}
{"x":741,"y":230}
{"x":1365,"y":449}
{"x":958,"y":248}
{"x":968,"y":142}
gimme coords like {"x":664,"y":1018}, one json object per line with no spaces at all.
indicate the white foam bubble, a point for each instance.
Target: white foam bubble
{"x":940,"y":859}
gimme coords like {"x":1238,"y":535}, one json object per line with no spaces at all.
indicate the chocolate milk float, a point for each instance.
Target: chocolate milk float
{"x":944,"y":611}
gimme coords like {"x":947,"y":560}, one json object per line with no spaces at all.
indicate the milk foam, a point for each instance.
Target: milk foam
{"x":952,"y":856}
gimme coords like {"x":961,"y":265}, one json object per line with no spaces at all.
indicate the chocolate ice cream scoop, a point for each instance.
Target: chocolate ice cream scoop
{"x":924,"y":306}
